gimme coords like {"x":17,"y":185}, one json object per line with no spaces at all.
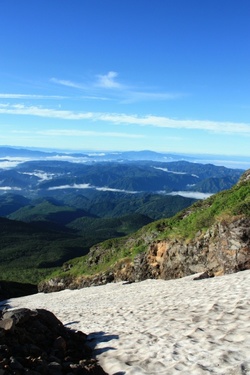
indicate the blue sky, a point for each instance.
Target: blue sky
{"x":164,"y":75}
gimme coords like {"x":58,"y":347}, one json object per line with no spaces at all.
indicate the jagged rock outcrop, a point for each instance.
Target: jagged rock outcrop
{"x":224,"y":248}
{"x":245,"y":177}
{"x":35,"y":342}
{"x":60,"y":283}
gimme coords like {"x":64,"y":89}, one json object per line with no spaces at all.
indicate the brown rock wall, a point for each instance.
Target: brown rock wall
{"x":224,"y":248}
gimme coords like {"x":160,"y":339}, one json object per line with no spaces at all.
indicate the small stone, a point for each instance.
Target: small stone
{"x":54,"y":365}
{"x":54,"y":368}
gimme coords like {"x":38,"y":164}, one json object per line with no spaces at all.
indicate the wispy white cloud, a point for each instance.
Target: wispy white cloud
{"x":78,"y":133}
{"x":30,"y":96}
{"x":121,"y":118}
{"x":94,"y":97}
{"x":83,"y":87}
{"x":107,"y":87}
{"x":140,"y":96}
{"x":21,"y":109}
{"x":68,"y":83}
{"x":165,"y":122}
{"x":100,"y":81}
{"x":108,"y":81}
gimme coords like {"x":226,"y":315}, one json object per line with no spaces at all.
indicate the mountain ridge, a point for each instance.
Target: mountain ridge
{"x":14,"y":154}
{"x":48,"y":177}
{"x":211,"y":237}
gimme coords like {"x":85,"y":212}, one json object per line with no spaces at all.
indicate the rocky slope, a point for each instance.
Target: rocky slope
{"x":211,"y":237}
{"x":36,"y":342}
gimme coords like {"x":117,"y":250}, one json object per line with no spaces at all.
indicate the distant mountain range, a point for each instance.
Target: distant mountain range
{"x":38,"y":173}
{"x":7,"y":154}
{"x":6,"y":151}
{"x":14,"y":152}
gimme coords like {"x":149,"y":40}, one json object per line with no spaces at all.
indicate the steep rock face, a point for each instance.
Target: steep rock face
{"x":223,"y":249}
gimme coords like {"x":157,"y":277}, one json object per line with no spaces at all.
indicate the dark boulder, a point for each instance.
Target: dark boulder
{"x":35,"y":342}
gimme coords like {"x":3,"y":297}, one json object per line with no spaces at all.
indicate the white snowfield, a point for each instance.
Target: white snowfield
{"x":160,"y":327}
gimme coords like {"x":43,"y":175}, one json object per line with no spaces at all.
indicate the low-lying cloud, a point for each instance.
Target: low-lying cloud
{"x":174,"y":172}
{"x":88,"y":186}
{"x":8,"y":188}
{"x":191,"y":194}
